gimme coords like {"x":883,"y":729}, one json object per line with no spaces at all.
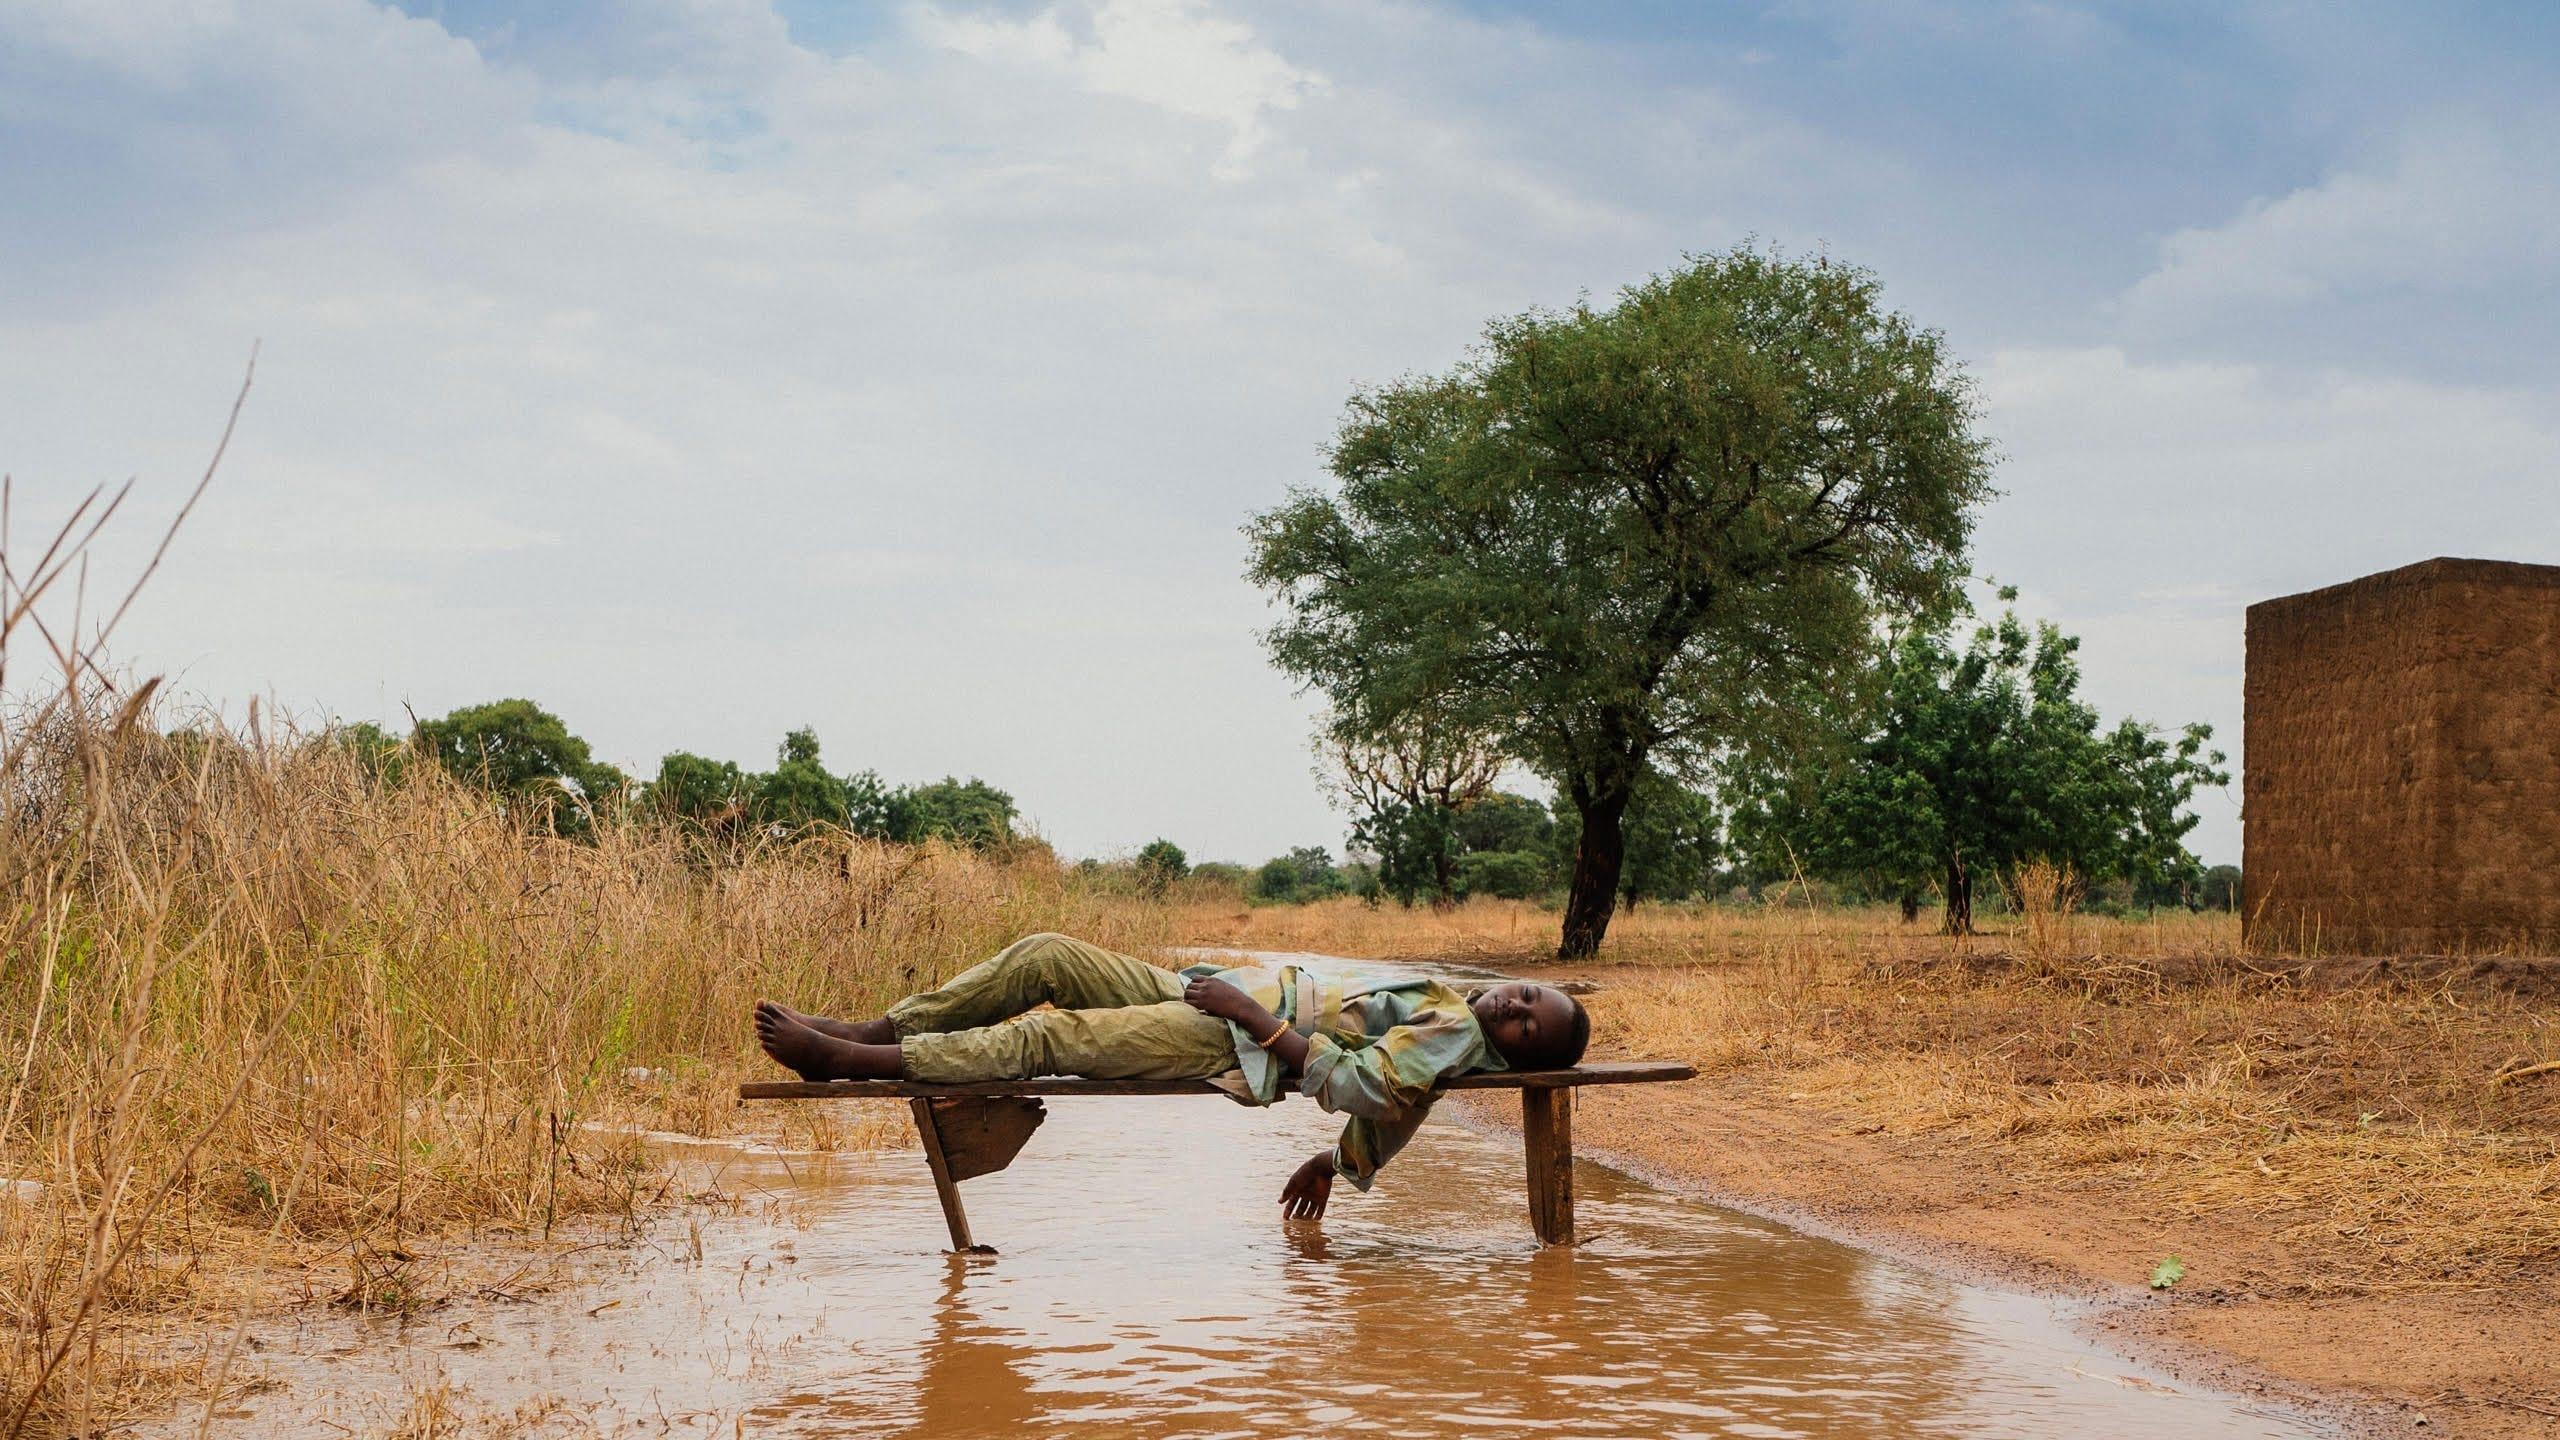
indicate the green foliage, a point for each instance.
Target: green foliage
{"x":1981,"y":757}
{"x":1510,"y":874}
{"x":1416,"y":848}
{"x":965,"y":812}
{"x":1659,"y":533}
{"x":1306,"y":873}
{"x":523,"y":754}
{"x":798,"y":792}
{"x":1160,"y":864}
{"x":695,"y":789}
{"x":2168,"y":1272}
{"x":1672,"y":841}
{"x":2219,"y":889}
{"x":1226,"y":880}
{"x":1504,"y":821}
{"x":380,"y":754}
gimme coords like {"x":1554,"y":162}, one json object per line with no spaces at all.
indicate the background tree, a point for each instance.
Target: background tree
{"x":1981,"y":757}
{"x":798,"y":792}
{"x":1657,"y":534}
{"x":521,"y":753}
{"x":1406,"y":785}
{"x":967,"y":812}
{"x":2220,"y":888}
{"x":381,"y":755}
{"x":1305,"y":873}
{"x":1672,"y":841}
{"x":1509,"y":874}
{"x":1160,"y":864}
{"x":696,"y":790}
{"x":1503,"y":821}
{"x":1416,"y":850}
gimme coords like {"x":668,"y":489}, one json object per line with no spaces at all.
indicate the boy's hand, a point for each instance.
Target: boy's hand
{"x":1310,"y":1187}
{"x":1217,"y":997}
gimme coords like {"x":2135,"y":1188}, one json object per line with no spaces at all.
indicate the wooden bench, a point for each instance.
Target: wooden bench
{"x":973,"y":1130}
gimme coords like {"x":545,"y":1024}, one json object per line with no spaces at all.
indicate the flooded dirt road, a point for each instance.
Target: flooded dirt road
{"x":1147,"y":1286}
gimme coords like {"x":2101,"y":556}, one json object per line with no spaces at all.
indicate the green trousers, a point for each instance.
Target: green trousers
{"x":1117,"y":1018}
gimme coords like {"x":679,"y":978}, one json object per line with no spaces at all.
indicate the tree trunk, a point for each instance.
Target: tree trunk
{"x":1910,"y":906}
{"x":1444,"y":875}
{"x":1959,"y":897}
{"x":1597,"y":861}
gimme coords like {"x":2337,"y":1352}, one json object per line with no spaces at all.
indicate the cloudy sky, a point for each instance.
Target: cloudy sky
{"x":704,"y":368}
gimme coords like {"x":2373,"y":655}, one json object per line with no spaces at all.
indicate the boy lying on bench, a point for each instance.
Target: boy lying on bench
{"x":1371,"y":1048}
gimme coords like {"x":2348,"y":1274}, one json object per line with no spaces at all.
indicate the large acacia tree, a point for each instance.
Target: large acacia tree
{"x":1660,"y":533}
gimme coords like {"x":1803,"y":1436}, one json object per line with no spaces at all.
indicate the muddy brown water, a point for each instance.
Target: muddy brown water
{"x":1147,"y":1286}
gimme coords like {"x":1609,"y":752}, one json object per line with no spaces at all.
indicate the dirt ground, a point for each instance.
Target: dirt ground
{"x":2474,"y":1357}
{"x":2357,"y":1160}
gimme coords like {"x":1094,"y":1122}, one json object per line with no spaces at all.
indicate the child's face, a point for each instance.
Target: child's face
{"x":1524,"y":1018}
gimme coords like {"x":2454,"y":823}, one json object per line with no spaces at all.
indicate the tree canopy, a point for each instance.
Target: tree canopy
{"x":1657,"y":534}
{"x":526,"y":756}
{"x":1982,"y":755}
{"x":1674,"y":839}
{"x":1160,"y":863}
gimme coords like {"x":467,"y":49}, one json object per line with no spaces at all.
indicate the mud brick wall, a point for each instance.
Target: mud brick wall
{"x":2402,"y":781}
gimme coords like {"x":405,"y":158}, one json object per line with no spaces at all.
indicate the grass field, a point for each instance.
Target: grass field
{"x":2401,"y":1117}
{"x":274,"y":1031}
{"x":265,"y":1017}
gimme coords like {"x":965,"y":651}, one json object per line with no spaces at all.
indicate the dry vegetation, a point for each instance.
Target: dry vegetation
{"x":2399,"y":1122}
{"x":260,"y":1006}
{"x":274,"y":1027}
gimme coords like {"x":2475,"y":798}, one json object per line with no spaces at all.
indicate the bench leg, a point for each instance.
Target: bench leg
{"x":944,"y":1187}
{"x":1546,"y":1125}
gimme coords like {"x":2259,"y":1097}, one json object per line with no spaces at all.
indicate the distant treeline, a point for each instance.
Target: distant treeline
{"x":1978,"y":757}
{"x":1514,"y":847}
{"x":527,"y":757}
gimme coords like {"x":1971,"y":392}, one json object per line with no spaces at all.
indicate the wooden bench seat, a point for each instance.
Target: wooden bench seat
{"x":972,"y":1130}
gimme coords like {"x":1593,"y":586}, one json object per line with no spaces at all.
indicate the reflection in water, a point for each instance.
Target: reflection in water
{"x":1148,"y":1286}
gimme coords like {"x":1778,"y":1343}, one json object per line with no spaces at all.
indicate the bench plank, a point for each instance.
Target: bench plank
{"x":1603,"y":1072}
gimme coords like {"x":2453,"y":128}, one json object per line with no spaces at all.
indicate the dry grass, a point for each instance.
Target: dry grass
{"x":258,"y":1005}
{"x":2356,"y":1110}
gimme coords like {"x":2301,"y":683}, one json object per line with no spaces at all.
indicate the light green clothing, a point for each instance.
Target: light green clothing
{"x":1117,"y":1018}
{"x":1376,"y":1046}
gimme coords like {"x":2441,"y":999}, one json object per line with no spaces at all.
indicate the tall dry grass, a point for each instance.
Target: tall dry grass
{"x":256,"y":996}
{"x":264,"y":1010}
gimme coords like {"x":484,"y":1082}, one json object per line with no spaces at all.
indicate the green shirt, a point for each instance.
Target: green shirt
{"x":1377,"y":1046}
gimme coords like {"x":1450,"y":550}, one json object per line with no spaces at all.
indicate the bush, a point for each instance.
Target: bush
{"x":1160,"y":864}
{"x":1304,"y":874}
{"x":1510,"y":874}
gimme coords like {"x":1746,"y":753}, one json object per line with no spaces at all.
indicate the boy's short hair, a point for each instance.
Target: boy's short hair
{"x":1576,"y":1040}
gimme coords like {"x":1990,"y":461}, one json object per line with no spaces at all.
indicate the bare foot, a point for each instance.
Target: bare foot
{"x":864,"y":1032}
{"x":814,"y":1056}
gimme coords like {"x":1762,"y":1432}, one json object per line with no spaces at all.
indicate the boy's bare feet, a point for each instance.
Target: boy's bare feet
{"x":865,"y":1032}
{"x":816,"y":1056}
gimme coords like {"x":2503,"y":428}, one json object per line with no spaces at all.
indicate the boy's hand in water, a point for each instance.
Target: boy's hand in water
{"x":1310,"y":1188}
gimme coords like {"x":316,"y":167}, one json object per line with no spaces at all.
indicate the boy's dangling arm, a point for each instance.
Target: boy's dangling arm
{"x":1310,"y":1186}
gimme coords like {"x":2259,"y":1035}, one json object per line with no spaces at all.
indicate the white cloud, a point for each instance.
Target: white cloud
{"x":2461,"y":204}
{"x":702,"y":385}
{"x":2149,"y":505}
{"x":1172,"y":54}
